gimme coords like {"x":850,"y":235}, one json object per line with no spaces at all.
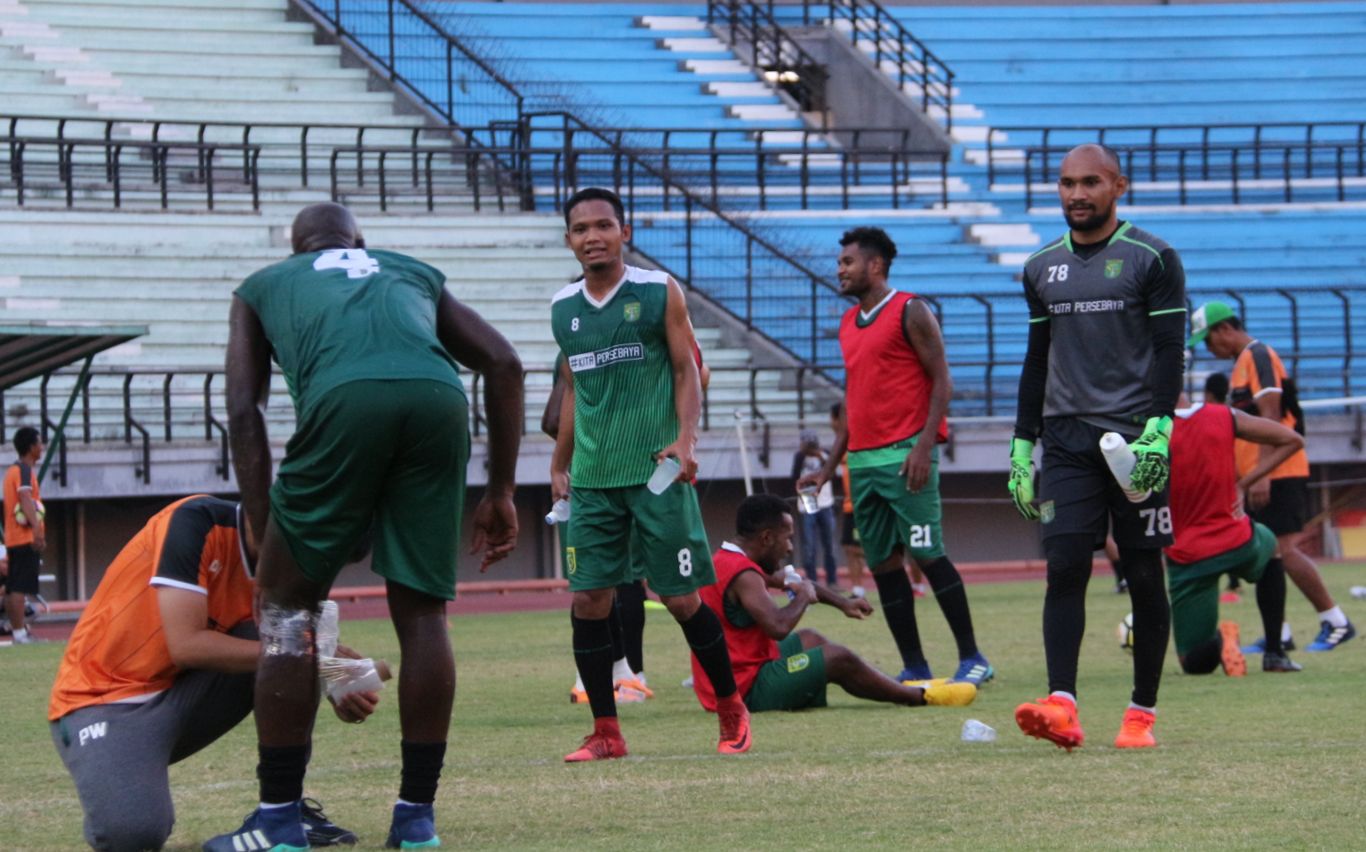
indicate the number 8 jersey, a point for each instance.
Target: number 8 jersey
{"x":1097,"y":300}
{"x":618,"y":352}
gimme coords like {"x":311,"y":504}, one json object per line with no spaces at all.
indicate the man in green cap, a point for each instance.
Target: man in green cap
{"x":1260,"y":386}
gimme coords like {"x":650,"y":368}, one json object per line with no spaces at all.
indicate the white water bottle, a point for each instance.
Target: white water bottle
{"x":559,"y":512}
{"x":791,"y":578}
{"x":665,"y":474}
{"x":1121,"y":461}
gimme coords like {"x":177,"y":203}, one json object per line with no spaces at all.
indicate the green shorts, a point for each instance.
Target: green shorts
{"x":617,"y":535}
{"x":891,"y":517}
{"x":1195,"y":587}
{"x":391,"y":452}
{"x":794,"y":681}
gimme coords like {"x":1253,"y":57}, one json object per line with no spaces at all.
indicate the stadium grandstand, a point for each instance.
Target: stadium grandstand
{"x":155,"y":154}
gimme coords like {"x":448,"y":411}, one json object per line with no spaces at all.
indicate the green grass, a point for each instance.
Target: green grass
{"x":1266,"y":761}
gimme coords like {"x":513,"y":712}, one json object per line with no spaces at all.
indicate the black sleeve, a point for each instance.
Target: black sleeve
{"x":1266,"y":369}
{"x":1034,"y":372}
{"x":797,"y":465}
{"x":183,"y":548}
{"x":1166,"y":295}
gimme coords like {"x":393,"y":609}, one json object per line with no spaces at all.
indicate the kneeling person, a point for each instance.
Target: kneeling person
{"x":161,"y":665}
{"x":1213,"y":537}
{"x":778,"y":667}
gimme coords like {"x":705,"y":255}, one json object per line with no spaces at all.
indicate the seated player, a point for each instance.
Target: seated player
{"x":1213,"y":537}
{"x":778,"y":667}
{"x":161,"y":664}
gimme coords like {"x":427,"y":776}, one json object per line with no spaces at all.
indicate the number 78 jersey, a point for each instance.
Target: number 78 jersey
{"x":618,"y":352}
{"x":1098,"y":303}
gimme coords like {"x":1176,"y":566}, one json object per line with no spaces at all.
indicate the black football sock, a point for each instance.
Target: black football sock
{"x":614,"y":623}
{"x":1152,"y":622}
{"x":898,"y":607}
{"x":593,"y":656}
{"x":1271,"y":604}
{"x":1203,"y":658}
{"x":1064,"y":607}
{"x":953,"y":600}
{"x":708,"y":643}
{"x":280,"y":771}
{"x":421,"y":771}
{"x":631,"y":605}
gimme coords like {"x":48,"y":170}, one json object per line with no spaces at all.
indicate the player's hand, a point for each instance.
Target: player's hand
{"x":1259,"y":493}
{"x":804,"y":592}
{"x":559,"y":484}
{"x":495,"y":529}
{"x":1152,"y":466}
{"x":858,"y":608}
{"x":1021,"y":483}
{"x":355,"y":707}
{"x":916,"y":467}
{"x":812,"y":481}
{"x":39,"y":540}
{"x":686,"y":452}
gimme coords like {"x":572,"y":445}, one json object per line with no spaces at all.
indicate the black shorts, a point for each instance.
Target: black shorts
{"x":24,"y":567}
{"x":849,"y":532}
{"x":1288,"y":509}
{"x":1078,"y":494}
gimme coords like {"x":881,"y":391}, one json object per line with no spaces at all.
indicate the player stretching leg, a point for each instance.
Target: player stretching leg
{"x":1107,"y":316}
{"x":895,"y":401}
{"x":631,"y":400}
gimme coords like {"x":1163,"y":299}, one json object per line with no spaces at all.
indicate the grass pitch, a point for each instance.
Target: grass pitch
{"x":1265,"y":761}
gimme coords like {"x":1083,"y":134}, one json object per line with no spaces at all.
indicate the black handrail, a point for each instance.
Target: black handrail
{"x":773,"y":53}
{"x":915,"y":63}
{"x":113,"y":170}
{"x":1219,"y":168}
{"x":1003,"y":153}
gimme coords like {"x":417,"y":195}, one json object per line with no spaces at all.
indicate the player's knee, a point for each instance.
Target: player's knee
{"x":287,"y":631}
{"x":895,"y":562}
{"x":811,"y":639}
{"x":1191,"y":667}
{"x":682,"y":607}
{"x":592,"y":604}
{"x":839,"y":660}
{"x":130,"y":830}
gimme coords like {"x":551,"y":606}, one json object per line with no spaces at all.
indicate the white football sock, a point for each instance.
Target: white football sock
{"x":621,"y":670}
{"x":1069,"y":696}
{"x":1285,"y":631}
{"x":1152,"y":710}
{"x":1334,"y":617}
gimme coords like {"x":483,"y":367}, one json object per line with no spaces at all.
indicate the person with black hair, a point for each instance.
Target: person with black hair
{"x":1261,"y":386}
{"x":160,"y":666}
{"x":1107,"y":315}
{"x":777,"y":666}
{"x":896,"y":402}
{"x":25,"y":530}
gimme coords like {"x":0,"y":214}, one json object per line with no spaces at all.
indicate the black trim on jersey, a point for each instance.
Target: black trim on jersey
{"x":1261,"y":362}
{"x":191,"y":523}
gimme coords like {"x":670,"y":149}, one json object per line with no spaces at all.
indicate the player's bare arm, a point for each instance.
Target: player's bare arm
{"x":550,"y":417}
{"x":687,"y":383}
{"x":248,"y":385}
{"x":1268,"y":408}
{"x":479,"y":346}
{"x":923,"y":332}
{"x":1278,"y":444}
{"x":564,"y":437}
{"x":751,"y":592}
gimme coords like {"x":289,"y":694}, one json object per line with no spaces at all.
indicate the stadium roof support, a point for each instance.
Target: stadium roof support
{"x":31,"y":350}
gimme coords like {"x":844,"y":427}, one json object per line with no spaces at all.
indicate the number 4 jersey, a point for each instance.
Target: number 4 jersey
{"x":1097,"y":300}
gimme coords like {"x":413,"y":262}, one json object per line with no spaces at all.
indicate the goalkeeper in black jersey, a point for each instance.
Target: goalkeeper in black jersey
{"x":1107,"y":314}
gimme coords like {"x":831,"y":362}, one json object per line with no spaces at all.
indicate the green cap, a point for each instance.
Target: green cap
{"x":1206,"y":317}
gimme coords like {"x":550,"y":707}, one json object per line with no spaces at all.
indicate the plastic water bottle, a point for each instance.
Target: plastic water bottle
{"x":975,"y":731}
{"x":665,"y":474}
{"x":328,"y":631}
{"x":559,"y":513}
{"x":791,"y":578}
{"x":1120,"y":459}
{"x":808,"y":502}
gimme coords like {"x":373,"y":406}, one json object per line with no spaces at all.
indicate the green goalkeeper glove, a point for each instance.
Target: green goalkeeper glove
{"x":1152,"y":466}
{"x":1022,"y":477}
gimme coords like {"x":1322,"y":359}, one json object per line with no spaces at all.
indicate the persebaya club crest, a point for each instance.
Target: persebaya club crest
{"x":631,"y":311}
{"x":1114,"y":268}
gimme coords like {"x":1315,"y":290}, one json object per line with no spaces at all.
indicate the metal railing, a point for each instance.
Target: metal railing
{"x":1234,"y":173}
{"x":773,"y":53}
{"x":1004,"y":144}
{"x":422,"y":58}
{"x":917,"y":70}
{"x":81,"y":167}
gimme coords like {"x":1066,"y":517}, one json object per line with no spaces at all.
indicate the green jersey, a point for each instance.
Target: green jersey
{"x":618,"y":352}
{"x":344,"y":315}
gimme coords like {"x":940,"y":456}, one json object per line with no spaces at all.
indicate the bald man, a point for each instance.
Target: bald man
{"x":1107,"y":321}
{"x":369,"y":343}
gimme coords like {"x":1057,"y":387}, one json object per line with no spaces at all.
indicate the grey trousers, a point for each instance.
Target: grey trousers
{"x":119,"y":755}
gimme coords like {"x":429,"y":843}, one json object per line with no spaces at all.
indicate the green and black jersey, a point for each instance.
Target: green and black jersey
{"x":1098,"y":300}
{"x":618,"y":352}
{"x":344,"y":315}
